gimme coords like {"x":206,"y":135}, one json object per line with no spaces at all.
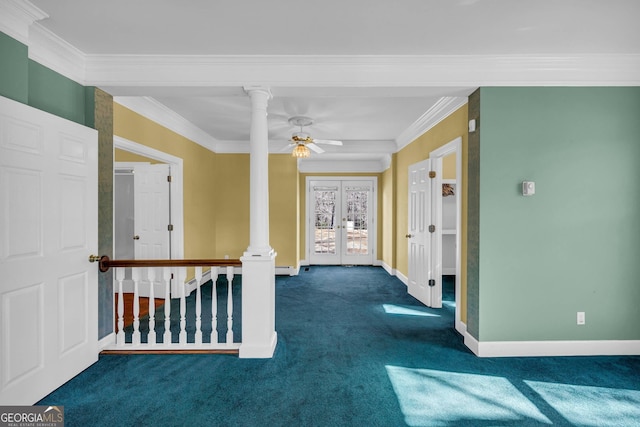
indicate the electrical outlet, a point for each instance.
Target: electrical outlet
{"x":580,"y":318}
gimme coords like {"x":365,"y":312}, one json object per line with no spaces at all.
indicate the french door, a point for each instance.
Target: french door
{"x":341,"y":216}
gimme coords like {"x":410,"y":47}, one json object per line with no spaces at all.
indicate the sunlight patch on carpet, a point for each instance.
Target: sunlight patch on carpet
{"x":590,"y":406}
{"x":437,"y":398}
{"x":406,"y":310}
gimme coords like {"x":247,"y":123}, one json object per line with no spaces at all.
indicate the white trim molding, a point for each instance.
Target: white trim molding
{"x":434,"y":115}
{"x":551,"y":348}
{"x":177,"y":190}
{"x":155,"y":111}
{"x":404,"y":279}
{"x":107,"y":341}
{"x":16,"y":18}
{"x":329,"y":164}
{"x":49,"y":50}
{"x":363,"y":70}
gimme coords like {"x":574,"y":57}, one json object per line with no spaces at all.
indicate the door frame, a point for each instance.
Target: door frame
{"x":177,"y":196}
{"x":452,"y":147}
{"x":373,"y":237}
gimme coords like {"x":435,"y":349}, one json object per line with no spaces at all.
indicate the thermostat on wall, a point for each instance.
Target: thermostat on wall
{"x":528,"y":188}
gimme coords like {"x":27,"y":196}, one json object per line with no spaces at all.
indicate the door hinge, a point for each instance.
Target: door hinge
{"x":432,"y":282}
{"x":170,"y":227}
{"x":432,"y":229}
{"x":432,"y":174}
{"x":169,"y":178}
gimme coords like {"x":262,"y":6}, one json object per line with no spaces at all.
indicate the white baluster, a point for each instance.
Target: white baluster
{"x":135,"y":275}
{"x":198,"y":336}
{"x":166,"y":276}
{"x":120,"y":334}
{"x":214,"y":304}
{"x":182,"y":274}
{"x":151,"y":338}
{"x":230,"y":306}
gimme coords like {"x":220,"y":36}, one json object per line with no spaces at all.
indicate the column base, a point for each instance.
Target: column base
{"x":257,"y":351}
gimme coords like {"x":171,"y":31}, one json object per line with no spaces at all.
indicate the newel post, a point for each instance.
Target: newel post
{"x":259,"y":337}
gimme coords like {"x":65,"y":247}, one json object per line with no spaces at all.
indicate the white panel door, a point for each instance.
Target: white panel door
{"x":152,"y":217}
{"x":48,"y":228}
{"x":421,"y":242}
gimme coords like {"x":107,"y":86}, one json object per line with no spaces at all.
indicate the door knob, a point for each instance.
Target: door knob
{"x":94,"y":258}
{"x":136,"y":237}
{"x":408,"y":236}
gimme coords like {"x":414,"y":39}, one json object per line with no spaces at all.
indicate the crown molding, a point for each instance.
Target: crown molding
{"x":16,"y":17}
{"x":363,"y":71}
{"x":159,"y":113}
{"x":434,"y":115}
{"x":56,"y":54}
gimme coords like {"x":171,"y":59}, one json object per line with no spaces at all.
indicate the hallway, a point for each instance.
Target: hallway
{"x":354,"y":350}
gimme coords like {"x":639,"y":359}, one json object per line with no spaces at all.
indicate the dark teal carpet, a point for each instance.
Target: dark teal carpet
{"x":354,"y":350}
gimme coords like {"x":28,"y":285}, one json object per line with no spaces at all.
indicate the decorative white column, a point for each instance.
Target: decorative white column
{"x":259,"y":337}
{"x":259,"y":167}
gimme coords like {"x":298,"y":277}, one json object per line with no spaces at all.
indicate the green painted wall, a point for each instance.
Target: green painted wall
{"x":14,"y":69}
{"x":574,"y":245}
{"x":52,"y":92}
{"x":28,"y":82}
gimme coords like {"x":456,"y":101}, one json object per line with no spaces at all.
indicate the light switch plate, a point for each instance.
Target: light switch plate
{"x":528,"y":188}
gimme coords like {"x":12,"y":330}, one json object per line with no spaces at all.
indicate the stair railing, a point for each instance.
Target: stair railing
{"x":183,"y":330}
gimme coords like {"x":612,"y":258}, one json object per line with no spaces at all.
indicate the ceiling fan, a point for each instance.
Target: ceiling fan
{"x":301,"y":141}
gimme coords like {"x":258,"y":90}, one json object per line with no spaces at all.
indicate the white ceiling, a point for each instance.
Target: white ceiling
{"x":357,"y":104}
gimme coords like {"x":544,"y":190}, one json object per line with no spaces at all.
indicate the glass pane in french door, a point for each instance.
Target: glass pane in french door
{"x":357,"y":217}
{"x":325,"y":220}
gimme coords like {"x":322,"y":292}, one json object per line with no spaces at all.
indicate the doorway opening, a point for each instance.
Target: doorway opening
{"x":341,"y":220}
{"x":158,"y":219}
{"x":435,"y":190}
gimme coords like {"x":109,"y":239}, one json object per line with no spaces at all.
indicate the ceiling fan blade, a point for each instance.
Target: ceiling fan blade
{"x":288,"y":147}
{"x":315,"y":148}
{"x":327,"y":141}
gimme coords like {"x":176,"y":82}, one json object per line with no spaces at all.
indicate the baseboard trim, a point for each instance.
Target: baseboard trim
{"x":461,"y":327}
{"x":107,"y":341}
{"x":404,"y":279}
{"x":552,"y":348}
{"x":387,"y":267}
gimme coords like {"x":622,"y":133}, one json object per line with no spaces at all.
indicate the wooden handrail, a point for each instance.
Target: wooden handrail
{"x":104,"y":263}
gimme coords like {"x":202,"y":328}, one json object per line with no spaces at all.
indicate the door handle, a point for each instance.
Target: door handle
{"x":94,"y":258}
{"x":136,"y":237}
{"x":408,"y":236}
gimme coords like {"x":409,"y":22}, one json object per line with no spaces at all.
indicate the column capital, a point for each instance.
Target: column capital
{"x":258,"y":89}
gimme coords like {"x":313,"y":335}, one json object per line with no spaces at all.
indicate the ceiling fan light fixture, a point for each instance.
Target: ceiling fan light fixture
{"x":301,"y":151}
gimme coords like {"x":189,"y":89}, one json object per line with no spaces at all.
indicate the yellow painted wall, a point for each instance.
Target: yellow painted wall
{"x":232,"y":220}
{"x":200,"y":204}
{"x":449,"y":167}
{"x":303,"y":207}
{"x":446,"y":131}
{"x":125,"y":156}
{"x":284,"y":220}
{"x":388,"y":186}
{"x":232,"y":199}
